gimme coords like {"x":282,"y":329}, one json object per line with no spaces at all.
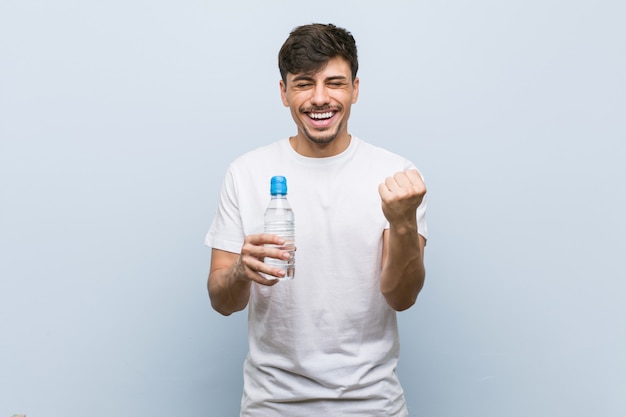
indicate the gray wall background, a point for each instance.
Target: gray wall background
{"x":117,"y":122}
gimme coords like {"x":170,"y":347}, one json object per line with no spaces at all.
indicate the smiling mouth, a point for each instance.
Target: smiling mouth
{"x":321,"y":116}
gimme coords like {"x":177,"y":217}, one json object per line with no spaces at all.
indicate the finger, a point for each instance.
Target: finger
{"x":260,"y":246}
{"x":394,"y":184}
{"x":401,"y":179}
{"x":264,"y":238}
{"x":268,"y":275}
{"x":410,"y":181}
{"x":391,"y":183}
{"x":263,"y":280}
{"x":383,"y":191}
{"x":414,"y":176}
{"x":255,"y":268}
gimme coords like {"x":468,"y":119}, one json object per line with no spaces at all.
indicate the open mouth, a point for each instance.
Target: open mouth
{"x":321,"y":116}
{"x":321,"y":119}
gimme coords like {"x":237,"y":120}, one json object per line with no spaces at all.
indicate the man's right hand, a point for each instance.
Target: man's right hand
{"x":232,"y":274}
{"x":250,"y":263}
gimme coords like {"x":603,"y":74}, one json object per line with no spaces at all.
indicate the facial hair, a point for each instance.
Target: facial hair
{"x":328,"y":136}
{"x":322,"y":140}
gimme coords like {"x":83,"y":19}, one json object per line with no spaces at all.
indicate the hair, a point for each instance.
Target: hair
{"x":309,"y":48}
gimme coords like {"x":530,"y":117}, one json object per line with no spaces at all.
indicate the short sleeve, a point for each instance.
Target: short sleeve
{"x":226,"y":231}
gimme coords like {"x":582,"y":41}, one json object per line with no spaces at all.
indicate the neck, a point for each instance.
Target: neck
{"x":310,"y":149}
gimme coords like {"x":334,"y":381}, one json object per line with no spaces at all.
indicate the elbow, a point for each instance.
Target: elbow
{"x":225,"y":309}
{"x":405,"y":306}
{"x":403,"y":297}
{"x":222,"y":311}
{"x":401,"y":304}
{"x":217,"y":305}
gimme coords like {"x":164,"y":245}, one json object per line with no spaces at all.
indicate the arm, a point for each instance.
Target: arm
{"x":403,"y":270}
{"x":231,"y":274}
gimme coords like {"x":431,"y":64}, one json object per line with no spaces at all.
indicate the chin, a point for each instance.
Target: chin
{"x":322,"y":139}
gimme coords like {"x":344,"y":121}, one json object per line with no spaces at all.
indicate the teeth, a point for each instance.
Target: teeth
{"x":319,"y":116}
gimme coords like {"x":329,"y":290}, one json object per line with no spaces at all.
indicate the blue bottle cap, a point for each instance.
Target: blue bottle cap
{"x":278,"y":185}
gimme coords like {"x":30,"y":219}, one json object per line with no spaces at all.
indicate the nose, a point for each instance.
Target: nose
{"x":319,"y":95}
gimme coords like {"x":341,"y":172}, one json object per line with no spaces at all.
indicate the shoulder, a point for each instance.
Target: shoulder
{"x":381,"y":156}
{"x":260,"y":152}
{"x":258,"y":157}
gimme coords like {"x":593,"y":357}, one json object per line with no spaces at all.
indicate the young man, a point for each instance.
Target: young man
{"x":326,"y":342}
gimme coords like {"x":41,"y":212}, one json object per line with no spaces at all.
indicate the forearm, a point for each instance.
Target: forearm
{"x":229,"y":289}
{"x":403,"y":271}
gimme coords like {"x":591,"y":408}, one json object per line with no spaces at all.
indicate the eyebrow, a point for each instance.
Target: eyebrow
{"x":305,"y":77}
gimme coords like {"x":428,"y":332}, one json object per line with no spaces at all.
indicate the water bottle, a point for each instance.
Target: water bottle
{"x":279,"y":220}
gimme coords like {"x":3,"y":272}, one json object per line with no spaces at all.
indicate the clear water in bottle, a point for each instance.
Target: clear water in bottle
{"x":279,"y":220}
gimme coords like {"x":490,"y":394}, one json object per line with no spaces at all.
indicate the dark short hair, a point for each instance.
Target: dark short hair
{"x":309,"y":48}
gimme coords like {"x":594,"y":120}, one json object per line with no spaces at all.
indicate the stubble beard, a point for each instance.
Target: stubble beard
{"x":326,"y":136}
{"x":323,"y":137}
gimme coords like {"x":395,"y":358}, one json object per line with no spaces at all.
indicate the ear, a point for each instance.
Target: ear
{"x":355,"y":90}
{"x":283,"y":93}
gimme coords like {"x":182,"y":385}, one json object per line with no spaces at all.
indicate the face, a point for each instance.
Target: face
{"x":320,"y":103}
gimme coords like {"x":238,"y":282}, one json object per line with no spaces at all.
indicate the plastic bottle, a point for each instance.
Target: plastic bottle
{"x":279,"y":220}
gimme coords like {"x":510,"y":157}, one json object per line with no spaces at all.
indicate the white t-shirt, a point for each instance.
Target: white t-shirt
{"x":326,"y":342}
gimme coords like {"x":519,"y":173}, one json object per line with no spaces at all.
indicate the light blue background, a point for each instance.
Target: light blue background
{"x":118,"y":120}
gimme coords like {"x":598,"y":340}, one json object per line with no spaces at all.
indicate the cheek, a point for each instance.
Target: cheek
{"x":295,"y":115}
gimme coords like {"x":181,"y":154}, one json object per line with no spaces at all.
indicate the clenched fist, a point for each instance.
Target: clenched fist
{"x":401,"y":194}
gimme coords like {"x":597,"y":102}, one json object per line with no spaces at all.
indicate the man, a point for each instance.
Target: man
{"x":326,"y":342}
